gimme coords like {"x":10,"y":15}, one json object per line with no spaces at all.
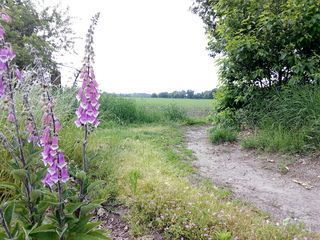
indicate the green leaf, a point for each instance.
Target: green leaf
{"x":86,"y":209}
{"x":94,"y":185}
{"x":19,"y":173}
{"x":8,"y":212}
{"x":35,"y":194}
{"x":90,"y":226}
{"x":89,"y":236}
{"x":72,"y":207}
{"x":6,"y":185}
{"x":81,"y":175}
{"x":2,"y":235}
{"x":80,"y":224}
{"x":47,"y":231}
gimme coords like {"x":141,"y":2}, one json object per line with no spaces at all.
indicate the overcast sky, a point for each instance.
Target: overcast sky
{"x":143,"y":45}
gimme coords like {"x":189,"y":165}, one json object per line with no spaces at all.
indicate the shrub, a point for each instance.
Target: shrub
{"x":220,"y":134}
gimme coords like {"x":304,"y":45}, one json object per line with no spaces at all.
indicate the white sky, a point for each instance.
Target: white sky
{"x":143,"y":45}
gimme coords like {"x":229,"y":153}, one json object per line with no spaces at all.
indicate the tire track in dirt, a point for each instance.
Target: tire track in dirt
{"x":248,"y":174}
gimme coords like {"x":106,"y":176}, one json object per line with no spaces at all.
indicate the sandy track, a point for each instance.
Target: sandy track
{"x":254,"y":178}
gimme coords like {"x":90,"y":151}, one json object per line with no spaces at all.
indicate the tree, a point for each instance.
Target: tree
{"x":190,"y":93}
{"x":48,"y":31}
{"x":262,"y":43}
{"x":163,"y":95}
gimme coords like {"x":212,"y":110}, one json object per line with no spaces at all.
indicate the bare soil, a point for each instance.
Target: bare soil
{"x":119,"y":229}
{"x":285,"y":186}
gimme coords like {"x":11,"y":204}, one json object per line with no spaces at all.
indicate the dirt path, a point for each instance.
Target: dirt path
{"x":256,"y":178}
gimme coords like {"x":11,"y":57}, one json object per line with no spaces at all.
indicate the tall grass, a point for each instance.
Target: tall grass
{"x":285,"y":120}
{"x":126,"y":111}
{"x":219,"y":134}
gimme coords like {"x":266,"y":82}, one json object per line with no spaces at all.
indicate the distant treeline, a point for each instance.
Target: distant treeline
{"x":175,"y":94}
{"x":185,"y":94}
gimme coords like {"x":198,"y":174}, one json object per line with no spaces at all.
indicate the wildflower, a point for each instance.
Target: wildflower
{"x":6,"y":54}
{"x":52,"y":157}
{"x":11,"y":117}
{"x":18,"y":74}
{"x":88,"y":95}
{"x":2,"y":88}
{"x":5,"y":17}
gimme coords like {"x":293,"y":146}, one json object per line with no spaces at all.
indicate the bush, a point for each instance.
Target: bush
{"x":219,"y":135}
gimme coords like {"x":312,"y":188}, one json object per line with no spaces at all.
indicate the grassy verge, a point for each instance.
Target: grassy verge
{"x":276,"y":139}
{"x":284,"y":120}
{"x":145,"y":169}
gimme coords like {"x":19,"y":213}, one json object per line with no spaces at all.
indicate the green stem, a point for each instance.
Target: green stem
{"x":60,"y":209}
{"x":5,"y":225}
{"x":84,"y":162}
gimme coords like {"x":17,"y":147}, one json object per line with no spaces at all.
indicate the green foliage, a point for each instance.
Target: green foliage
{"x":47,"y":30}
{"x":222,"y":134}
{"x":272,"y":138}
{"x":262,"y":40}
{"x":269,"y":68}
{"x":127,"y":110}
{"x":286,"y":120}
{"x":224,"y":235}
{"x":133,"y":178}
{"x":174,"y":113}
{"x":118,"y":109}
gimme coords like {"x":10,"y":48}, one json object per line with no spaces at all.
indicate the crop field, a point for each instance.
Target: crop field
{"x":193,"y":107}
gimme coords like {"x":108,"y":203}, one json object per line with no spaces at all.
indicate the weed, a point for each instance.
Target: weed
{"x":283,"y":165}
{"x":133,"y":177}
{"x":275,"y":139}
{"x":219,"y":135}
{"x":224,"y":235}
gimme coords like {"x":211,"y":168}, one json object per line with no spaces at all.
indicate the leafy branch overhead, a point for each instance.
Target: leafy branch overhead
{"x":47,"y":30}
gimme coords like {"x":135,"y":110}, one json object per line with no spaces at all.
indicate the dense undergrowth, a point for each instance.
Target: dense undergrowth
{"x":284,"y":119}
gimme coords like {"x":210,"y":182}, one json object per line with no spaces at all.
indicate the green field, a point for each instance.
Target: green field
{"x":193,"y":107}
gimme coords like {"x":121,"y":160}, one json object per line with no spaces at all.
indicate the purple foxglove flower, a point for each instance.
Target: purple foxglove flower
{"x":3,"y":67}
{"x":11,"y":117}
{"x":32,"y":134}
{"x":54,"y":143}
{"x":88,"y":95}
{"x":44,"y":140}
{"x":47,"y":180}
{"x":18,"y":74}
{"x":5,"y":17}
{"x":2,"y":88}
{"x":6,"y":54}
{"x":57,"y":125}
{"x":61,"y":161}
{"x":52,"y":157}
{"x":64,"y":175}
